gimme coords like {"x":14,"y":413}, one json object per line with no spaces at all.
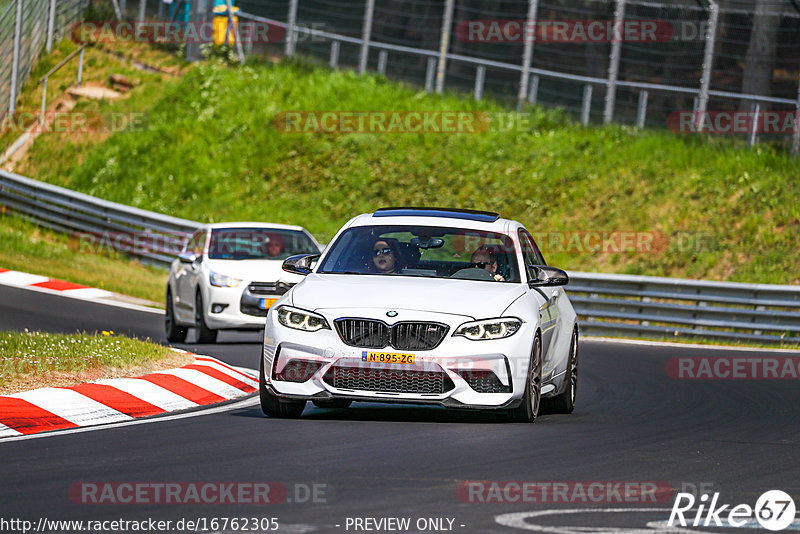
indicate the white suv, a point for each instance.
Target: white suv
{"x":228,"y":275}
{"x":420,"y":305}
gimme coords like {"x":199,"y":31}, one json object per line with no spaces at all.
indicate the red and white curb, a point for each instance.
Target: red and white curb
{"x":20,"y":279}
{"x":203,"y":382}
{"x":68,"y":289}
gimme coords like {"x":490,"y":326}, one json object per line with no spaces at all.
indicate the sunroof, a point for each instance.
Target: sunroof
{"x":450,"y":213}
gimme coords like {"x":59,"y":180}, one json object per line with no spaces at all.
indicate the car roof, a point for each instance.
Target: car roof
{"x":468,"y":219}
{"x":250,"y":224}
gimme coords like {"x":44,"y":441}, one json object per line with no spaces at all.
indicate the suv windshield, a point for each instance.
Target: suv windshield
{"x":432,"y":251}
{"x":258,"y":243}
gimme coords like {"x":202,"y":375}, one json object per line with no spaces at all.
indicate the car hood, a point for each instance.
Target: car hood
{"x":254,"y":270}
{"x":468,"y":298}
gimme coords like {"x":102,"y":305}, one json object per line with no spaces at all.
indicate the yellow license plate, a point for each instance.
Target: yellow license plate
{"x":387,"y":357}
{"x":266,"y":303}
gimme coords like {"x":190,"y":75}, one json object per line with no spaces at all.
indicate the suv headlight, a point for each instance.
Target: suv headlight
{"x":301,"y":319}
{"x":489,"y":328}
{"x":221,"y":280}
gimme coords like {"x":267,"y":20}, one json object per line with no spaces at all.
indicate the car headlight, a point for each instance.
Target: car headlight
{"x":301,"y":319}
{"x":221,"y":280}
{"x":489,"y":328}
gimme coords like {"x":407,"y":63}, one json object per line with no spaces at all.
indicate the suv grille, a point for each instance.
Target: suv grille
{"x":374,"y":334}
{"x":388,"y":380}
{"x":483,"y":381}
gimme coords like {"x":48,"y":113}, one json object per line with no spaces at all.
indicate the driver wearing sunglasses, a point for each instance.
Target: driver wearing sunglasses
{"x":485,"y":258}
{"x":384,"y":257}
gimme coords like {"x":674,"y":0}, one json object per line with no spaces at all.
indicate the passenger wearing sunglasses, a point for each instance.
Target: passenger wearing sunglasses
{"x":385,"y":257}
{"x":485,"y":258}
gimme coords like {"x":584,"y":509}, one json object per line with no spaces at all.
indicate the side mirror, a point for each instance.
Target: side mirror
{"x":187,"y":257}
{"x":548,"y":276}
{"x":300,"y":264}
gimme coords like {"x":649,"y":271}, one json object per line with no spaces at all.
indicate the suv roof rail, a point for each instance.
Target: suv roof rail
{"x":451,"y":213}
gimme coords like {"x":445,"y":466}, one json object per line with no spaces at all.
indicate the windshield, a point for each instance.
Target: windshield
{"x":258,"y":243}
{"x":431,"y":251}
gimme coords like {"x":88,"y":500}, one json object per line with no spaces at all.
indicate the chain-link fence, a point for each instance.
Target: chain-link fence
{"x":722,"y":66}
{"x":27,"y":27}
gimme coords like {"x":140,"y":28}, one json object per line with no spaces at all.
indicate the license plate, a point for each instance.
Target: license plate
{"x":263,"y":304}
{"x":387,"y":357}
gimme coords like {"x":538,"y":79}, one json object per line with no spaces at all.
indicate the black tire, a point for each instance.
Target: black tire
{"x":333,"y":403}
{"x":528,"y":409}
{"x":565,"y":401}
{"x":174,"y":332}
{"x":273,"y":406}
{"x":204,"y":333}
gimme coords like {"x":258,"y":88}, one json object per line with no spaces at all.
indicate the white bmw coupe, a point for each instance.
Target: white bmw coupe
{"x":423,"y":306}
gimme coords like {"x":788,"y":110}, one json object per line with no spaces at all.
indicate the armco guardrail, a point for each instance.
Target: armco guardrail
{"x":608,"y":304}
{"x":152,"y":237}
{"x":650,"y":306}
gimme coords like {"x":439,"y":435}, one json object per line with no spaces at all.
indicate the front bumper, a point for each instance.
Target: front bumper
{"x":239,"y":307}
{"x":468,"y":374}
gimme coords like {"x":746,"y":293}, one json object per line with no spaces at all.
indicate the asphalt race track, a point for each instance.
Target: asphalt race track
{"x":633,"y":423}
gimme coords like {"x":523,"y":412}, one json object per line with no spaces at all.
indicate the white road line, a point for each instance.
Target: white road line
{"x":16,"y":278}
{"x":65,"y":294}
{"x":206,"y":382}
{"x":72,"y":406}
{"x":244,"y":403}
{"x":149,"y":392}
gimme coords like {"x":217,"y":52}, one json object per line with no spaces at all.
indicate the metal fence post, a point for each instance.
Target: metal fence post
{"x":752,"y":137}
{"x":198,"y":14}
{"x":12,"y":97}
{"x":527,"y":53}
{"x":533,"y":92}
{"x":334,"y":62}
{"x":586,"y":108}
{"x":290,"y":28}
{"x":236,"y":36}
{"x":383,"y":57}
{"x":444,"y":44}
{"x":480,"y":75}
{"x":51,"y":25}
{"x":117,"y":10}
{"x":641,"y":109}
{"x":430,"y":74}
{"x":366,"y":33}
{"x":796,"y":132}
{"x":80,"y":67}
{"x":44,"y":101}
{"x":708,"y":60}
{"x":613,"y":62}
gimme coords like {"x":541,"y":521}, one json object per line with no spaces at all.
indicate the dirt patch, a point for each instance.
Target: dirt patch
{"x":72,"y":378}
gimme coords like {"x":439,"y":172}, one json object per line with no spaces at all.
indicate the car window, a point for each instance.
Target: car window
{"x":430,"y":251}
{"x":196,"y":242}
{"x":258,"y":243}
{"x":530,"y":252}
